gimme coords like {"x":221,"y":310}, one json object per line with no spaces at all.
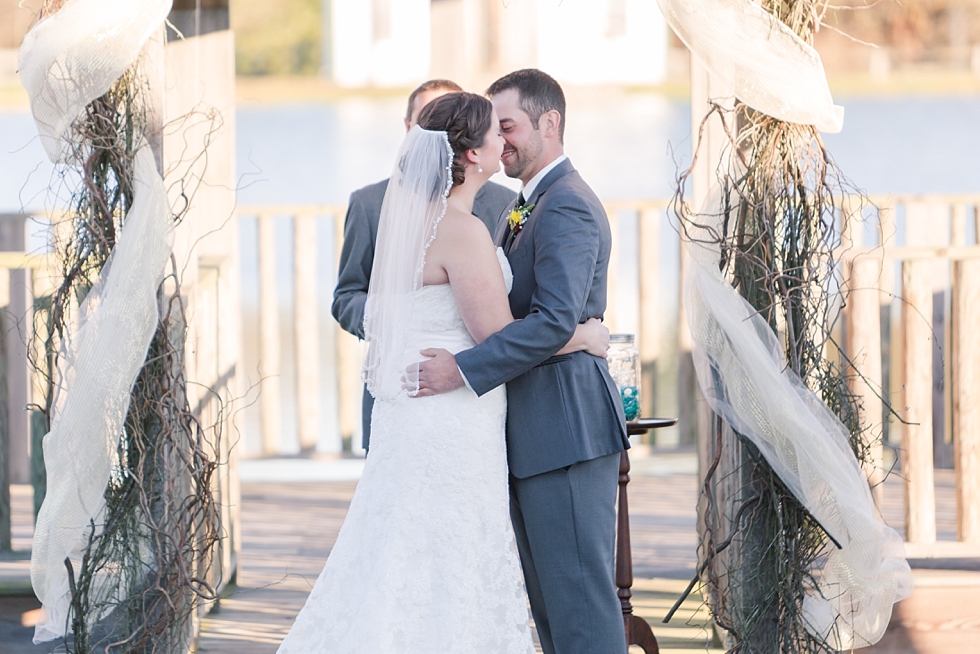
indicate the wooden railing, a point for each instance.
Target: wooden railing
{"x":925,"y":293}
{"x":211,"y":371}
{"x":896,"y":363}
{"x":635,"y":308}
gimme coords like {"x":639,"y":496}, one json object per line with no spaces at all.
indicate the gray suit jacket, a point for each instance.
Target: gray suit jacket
{"x":357,"y":259}
{"x":560,"y":409}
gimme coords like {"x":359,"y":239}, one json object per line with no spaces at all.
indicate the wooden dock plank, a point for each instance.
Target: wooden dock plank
{"x":288,"y":530}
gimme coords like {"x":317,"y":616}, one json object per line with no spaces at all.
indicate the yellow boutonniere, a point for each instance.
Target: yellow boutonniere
{"x":518,"y":217}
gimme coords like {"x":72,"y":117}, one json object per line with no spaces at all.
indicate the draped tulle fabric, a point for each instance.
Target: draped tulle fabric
{"x":426,"y":559}
{"x":757,"y":58}
{"x":74,"y":55}
{"x":745,"y":379}
{"x":67,"y":60}
{"x":414,"y":204}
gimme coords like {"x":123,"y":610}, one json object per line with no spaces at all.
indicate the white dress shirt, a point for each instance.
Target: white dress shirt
{"x":528,"y":189}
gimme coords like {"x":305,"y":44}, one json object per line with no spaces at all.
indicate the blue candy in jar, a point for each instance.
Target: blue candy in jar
{"x":631,"y":401}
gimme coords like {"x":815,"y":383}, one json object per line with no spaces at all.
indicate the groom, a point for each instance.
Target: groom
{"x":565,"y":423}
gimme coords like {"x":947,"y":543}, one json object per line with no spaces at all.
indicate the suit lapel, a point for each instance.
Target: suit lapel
{"x":500,"y":237}
{"x":556,"y":173}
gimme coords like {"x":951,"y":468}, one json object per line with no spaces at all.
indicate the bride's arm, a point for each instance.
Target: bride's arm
{"x":591,"y":336}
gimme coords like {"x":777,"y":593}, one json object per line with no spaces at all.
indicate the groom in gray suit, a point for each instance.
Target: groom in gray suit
{"x":361,"y":232}
{"x":565,"y":422}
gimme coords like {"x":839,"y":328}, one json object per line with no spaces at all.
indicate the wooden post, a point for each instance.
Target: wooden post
{"x":348,"y":369}
{"x":890,"y":339}
{"x":650,"y":309}
{"x":5,"y":508}
{"x":917,"y":463}
{"x":612,"y":276}
{"x":864,"y":345}
{"x":927,"y":223}
{"x":16,"y":328}
{"x":975,"y":217}
{"x":709,"y":153}
{"x":269,"y":353}
{"x":307,"y":335}
{"x":957,"y":224}
{"x":851,"y":222}
{"x":332,"y":442}
{"x":966,"y":397}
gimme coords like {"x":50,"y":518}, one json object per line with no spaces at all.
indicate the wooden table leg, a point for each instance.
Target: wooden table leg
{"x":638,"y":632}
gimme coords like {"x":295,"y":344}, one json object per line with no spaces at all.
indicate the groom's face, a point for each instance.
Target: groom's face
{"x":523,"y":144}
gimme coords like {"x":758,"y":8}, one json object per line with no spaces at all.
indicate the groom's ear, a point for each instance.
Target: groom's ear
{"x":550,"y":123}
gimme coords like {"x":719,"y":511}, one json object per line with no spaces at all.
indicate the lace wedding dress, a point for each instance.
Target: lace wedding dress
{"x":425,"y":562}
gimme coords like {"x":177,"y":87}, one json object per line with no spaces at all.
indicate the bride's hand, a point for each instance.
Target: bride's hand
{"x":591,"y":336}
{"x":596,"y":337}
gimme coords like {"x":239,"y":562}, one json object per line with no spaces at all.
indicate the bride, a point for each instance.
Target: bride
{"x":425,"y":562}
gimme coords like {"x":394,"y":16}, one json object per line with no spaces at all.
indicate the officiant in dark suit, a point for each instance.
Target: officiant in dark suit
{"x":361,"y":231}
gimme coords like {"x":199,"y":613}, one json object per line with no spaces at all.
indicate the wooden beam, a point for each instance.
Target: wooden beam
{"x":651,"y":311}
{"x":917,"y":465}
{"x":953,"y":253}
{"x":612,"y":275}
{"x":348,"y":368}
{"x":332,"y":441}
{"x":864,"y":345}
{"x":270,"y":398}
{"x":306,"y":327}
{"x":852,"y":223}
{"x":966,"y":398}
{"x":17,"y":328}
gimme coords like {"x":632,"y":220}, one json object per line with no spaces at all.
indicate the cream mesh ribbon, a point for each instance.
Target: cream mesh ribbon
{"x":743,"y":373}
{"x":67,"y":60}
{"x":761,"y":60}
{"x":739,"y":362}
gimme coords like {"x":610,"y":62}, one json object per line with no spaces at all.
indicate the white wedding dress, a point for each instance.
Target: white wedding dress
{"x":425,"y":562}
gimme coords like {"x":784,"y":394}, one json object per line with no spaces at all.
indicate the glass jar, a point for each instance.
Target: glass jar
{"x":624,"y":366}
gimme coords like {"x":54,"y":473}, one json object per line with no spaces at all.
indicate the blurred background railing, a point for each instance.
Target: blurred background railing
{"x":913,"y":268}
{"x":908,"y":329}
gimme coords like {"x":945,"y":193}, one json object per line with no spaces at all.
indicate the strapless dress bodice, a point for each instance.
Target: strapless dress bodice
{"x":436,"y":321}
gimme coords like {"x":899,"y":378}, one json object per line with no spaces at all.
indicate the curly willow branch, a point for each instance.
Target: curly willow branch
{"x":156,"y":542}
{"x":777,"y":241}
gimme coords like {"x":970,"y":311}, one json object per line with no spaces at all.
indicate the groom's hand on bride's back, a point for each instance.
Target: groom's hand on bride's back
{"x":437,"y":374}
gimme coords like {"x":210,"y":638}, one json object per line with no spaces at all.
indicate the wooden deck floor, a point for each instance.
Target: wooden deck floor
{"x":289,"y":528}
{"x":288,"y":531}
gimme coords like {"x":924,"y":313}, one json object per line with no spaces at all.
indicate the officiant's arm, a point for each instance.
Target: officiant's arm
{"x":354,"y":274}
{"x":566,"y":247}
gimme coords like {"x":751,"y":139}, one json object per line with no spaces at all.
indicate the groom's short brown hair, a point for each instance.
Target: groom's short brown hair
{"x":432,"y":85}
{"x":539,"y":93}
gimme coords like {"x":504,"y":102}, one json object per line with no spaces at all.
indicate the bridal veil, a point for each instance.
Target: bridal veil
{"x":414,"y":204}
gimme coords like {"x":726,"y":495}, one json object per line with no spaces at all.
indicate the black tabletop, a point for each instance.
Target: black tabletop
{"x":643,"y":425}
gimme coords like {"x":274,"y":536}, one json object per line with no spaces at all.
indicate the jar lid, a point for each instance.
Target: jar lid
{"x":621,"y":338}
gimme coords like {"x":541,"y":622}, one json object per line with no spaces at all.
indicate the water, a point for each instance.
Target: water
{"x":626,"y":145}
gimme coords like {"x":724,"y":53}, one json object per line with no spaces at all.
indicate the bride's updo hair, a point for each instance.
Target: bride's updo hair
{"x":465,"y":117}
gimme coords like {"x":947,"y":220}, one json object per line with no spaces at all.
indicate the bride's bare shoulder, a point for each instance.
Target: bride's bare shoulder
{"x":463,"y":228}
